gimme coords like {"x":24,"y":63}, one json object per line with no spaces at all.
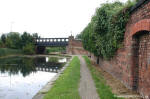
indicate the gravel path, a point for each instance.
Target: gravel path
{"x":87,"y":88}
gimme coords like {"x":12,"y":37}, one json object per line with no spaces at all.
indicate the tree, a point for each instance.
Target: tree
{"x":35,"y":35}
{"x":1,"y":43}
{"x":79,"y":36}
{"x":13,"y":40}
{"x":3,"y":38}
{"x":16,"y":41}
{"x":26,"y":38}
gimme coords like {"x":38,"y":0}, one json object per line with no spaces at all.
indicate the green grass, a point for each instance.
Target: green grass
{"x":103,"y":90}
{"x":55,"y":49}
{"x":8,"y":51}
{"x":66,"y":86}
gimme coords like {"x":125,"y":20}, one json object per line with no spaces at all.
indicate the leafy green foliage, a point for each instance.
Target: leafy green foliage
{"x":105,"y":33}
{"x":3,"y":38}
{"x":14,"y":40}
{"x":29,"y":49}
{"x":78,"y":36}
{"x":2,"y":44}
{"x":26,"y":38}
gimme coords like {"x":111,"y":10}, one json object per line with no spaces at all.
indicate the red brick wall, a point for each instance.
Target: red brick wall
{"x":75,"y":47}
{"x":131,"y":64}
{"x":144,"y":65}
{"x":77,"y":43}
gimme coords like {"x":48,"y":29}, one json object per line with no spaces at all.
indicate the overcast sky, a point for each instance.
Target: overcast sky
{"x":48,"y":18}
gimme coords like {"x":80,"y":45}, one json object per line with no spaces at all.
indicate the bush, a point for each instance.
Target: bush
{"x":105,"y":33}
{"x":1,"y":44}
{"x":13,"y":40}
{"x":29,"y":49}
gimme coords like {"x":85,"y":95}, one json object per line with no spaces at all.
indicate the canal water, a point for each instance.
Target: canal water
{"x":23,"y":77}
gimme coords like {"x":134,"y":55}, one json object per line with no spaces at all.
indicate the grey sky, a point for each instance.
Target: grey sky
{"x":49,"y":18}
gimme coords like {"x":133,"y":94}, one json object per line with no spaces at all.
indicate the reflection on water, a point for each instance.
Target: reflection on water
{"x":22,"y":77}
{"x":26,"y":65}
{"x":62,"y":60}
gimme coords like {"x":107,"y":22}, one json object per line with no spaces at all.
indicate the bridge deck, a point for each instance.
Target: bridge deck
{"x":51,"y":41}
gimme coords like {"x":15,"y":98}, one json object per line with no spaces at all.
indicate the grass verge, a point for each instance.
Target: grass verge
{"x":103,"y":90}
{"x":66,"y":86}
{"x":8,"y":51}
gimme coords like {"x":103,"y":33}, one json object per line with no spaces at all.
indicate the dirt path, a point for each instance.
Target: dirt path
{"x":87,"y":89}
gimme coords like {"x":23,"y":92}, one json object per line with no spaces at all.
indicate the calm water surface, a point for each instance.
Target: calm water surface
{"x":22,"y":77}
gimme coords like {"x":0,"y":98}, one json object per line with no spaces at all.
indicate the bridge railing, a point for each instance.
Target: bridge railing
{"x":51,"y":41}
{"x":48,"y":40}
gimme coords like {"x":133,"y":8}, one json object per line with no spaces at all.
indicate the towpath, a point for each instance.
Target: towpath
{"x":87,"y":89}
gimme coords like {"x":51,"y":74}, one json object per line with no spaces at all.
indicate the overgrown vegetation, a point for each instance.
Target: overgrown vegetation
{"x":14,"y":40}
{"x":103,"y":90}
{"x":105,"y":33}
{"x":29,"y":49}
{"x":66,"y":86}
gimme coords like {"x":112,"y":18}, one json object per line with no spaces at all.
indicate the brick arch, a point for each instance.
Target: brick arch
{"x":143,"y":25}
{"x":140,"y":48}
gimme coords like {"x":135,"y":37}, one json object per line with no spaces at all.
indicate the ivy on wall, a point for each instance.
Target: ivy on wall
{"x":105,"y":33}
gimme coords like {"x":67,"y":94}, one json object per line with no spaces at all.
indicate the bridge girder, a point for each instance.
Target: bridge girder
{"x":51,"y":42}
{"x":41,"y":43}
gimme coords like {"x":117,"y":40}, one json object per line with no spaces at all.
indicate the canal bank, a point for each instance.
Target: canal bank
{"x":5,"y":52}
{"x":48,"y":86}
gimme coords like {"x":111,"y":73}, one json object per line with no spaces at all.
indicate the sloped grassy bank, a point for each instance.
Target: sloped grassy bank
{"x":66,"y":86}
{"x":8,"y":51}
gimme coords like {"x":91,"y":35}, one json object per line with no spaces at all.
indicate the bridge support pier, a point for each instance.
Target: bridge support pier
{"x":40,"y":49}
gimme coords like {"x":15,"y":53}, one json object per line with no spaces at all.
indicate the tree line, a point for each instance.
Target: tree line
{"x":105,"y":33}
{"x":15,"y":40}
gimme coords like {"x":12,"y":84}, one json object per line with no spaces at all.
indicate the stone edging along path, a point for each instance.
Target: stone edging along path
{"x":49,"y":85}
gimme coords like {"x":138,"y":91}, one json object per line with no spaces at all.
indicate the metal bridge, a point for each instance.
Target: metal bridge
{"x":51,"y":42}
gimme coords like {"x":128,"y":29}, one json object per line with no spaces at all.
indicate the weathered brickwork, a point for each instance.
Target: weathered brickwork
{"x":75,"y":47}
{"x":144,"y":65}
{"x":131,"y":64}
